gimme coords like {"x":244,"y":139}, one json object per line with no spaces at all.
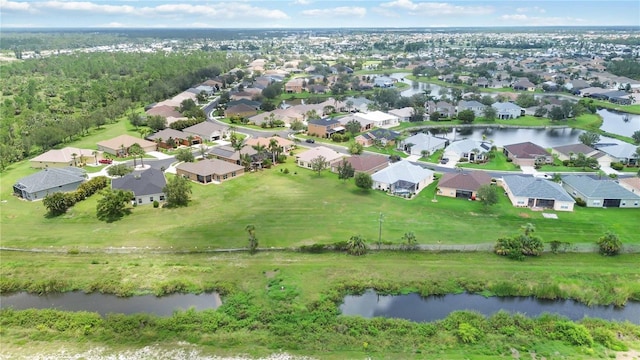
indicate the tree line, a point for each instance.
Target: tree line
{"x":50,"y":101}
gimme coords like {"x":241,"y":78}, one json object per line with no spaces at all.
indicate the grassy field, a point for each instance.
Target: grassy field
{"x":302,"y":318}
{"x":290,"y":210}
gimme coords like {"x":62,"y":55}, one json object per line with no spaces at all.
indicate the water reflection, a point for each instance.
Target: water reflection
{"x":415,"y":308}
{"x":104,"y":304}
{"x":619,"y":123}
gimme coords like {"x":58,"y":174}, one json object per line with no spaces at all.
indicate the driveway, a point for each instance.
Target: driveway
{"x":159,"y":155}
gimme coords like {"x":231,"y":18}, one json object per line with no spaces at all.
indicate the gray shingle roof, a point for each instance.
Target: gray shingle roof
{"x":607,"y":189}
{"x":402,"y":170}
{"x":50,"y":178}
{"x":574,"y":148}
{"x":470,"y":181}
{"x":147,"y":182}
{"x":531,"y":187}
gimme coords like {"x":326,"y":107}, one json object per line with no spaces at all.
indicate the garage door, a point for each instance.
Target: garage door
{"x":464,"y":194}
{"x":609,"y":203}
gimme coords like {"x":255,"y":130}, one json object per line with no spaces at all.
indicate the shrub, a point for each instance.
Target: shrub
{"x":286,"y":171}
{"x":468,"y":334}
{"x":156,"y":204}
{"x":609,"y":244}
{"x":566,"y":162}
{"x":313,"y":249}
{"x":580,"y":202}
{"x":617,"y":166}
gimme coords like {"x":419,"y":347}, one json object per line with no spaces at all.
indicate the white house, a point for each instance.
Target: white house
{"x":379,"y":118}
{"x":403,"y":114}
{"x":507,"y":110}
{"x":402,"y":178}
{"x":416,"y":144}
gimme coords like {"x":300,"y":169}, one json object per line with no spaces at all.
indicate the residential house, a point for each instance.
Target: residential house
{"x":402,"y":178}
{"x":304,"y":159}
{"x":294,"y":85}
{"x":378,"y":118}
{"x":383,"y":137}
{"x":631,"y":183}
{"x":241,"y":110}
{"x":229,"y":154}
{"x":324,"y":128}
{"x":620,"y":152}
{"x":119,"y":145}
{"x":475,"y":106}
{"x":68,"y":156}
{"x":363,"y":163}
{"x":286,"y":144}
{"x":421,"y":142}
{"x":170,"y":138}
{"x":507,"y":110}
{"x":536,"y":193}
{"x":287,"y":116}
{"x":524,"y":84}
{"x":569,"y":152}
{"x":527,"y":154}
{"x":444,"y":109}
{"x":359,"y":104}
{"x":147,"y":185}
{"x":169,"y":112}
{"x":364,"y":124}
{"x":49,"y":181}
{"x":254,"y":104}
{"x":240,"y":95}
{"x":208,"y":131}
{"x":209,"y":171}
{"x":600,"y":193}
{"x":468,"y":149}
{"x":462,"y":185}
{"x":482,"y":82}
{"x":403,"y":114}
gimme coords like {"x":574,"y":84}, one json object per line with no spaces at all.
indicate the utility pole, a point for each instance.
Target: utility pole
{"x":380,"y":231}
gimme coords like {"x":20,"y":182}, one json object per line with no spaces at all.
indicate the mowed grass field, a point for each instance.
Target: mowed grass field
{"x":290,"y":210}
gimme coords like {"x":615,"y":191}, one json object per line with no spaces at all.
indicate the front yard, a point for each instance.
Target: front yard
{"x":498,"y":162}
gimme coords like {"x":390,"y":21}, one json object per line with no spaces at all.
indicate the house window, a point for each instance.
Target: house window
{"x":233,"y":174}
{"x":161,"y":197}
{"x":596,"y":202}
{"x":151,"y":198}
{"x":624,"y":203}
{"x":520,"y":202}
{"x":635,"y":203}
{"x":225,"y":176}
{"x":139,"y":200}
{"x":564,"y":207}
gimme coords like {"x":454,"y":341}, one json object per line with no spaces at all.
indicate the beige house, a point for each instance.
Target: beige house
{"x":462,"y":185}
{"x":304,"y":159}
{"x":527,"y":154}
{"x":209,"y":171}
{"x":363,"y":163}
{"x":119,"y":145}
{"x":285,"y":144}
{"x":294,"y":85}
{"x":68,"y":156}
{"x":632,"y":184}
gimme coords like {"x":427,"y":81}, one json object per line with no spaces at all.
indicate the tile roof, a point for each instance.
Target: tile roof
{"x":50,"y":178}
{"x":329,"y":154}
{"x":168,"y":133}
{"x":526,"y":150}
{"x":575,"y":149}
{"x":205,"y":128}
{"x":229,"y":152}
{"x":531,"y":187}
{"x":607,"y":189}
{"x":470,"y":181}
{"x":402,"y":170}
{"x":126,"y":141}
{"x":364,"y":163}
{"x":146,"y":182}
{"x":467,"y":145}
{"x":63,"y":155}
{"x":209,"y":167}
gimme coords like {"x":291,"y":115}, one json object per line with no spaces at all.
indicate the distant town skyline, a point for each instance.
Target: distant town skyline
{"x":314,"y":13}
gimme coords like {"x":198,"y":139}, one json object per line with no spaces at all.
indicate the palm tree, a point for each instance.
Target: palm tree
{"x":528,"y":229}
{"x":253,"y":241}
{"x":190,"y":139}
{"x":137,"y":150}
{"x":274,"y":147}
{"x":356,"y":245}
{"x":261,"y":149}
{"x":349,"y":104}
{"x":95,"y":155}
{"x":203,"y":150}
{"x":74,"y":156}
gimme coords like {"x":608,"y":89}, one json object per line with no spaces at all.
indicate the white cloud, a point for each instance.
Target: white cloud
{"x":301,"y":2}
{"x":437,"y":8}
{"x":535,"y":9}
{"x":385,"y":12}
{"x":15,"y":6}
{"x":525,"y":20}
{"x":338,"y":11}
{"x":114,"y":25}
{"x":229,"y":10}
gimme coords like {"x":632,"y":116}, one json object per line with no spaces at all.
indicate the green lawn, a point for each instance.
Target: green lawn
{"x":499,"y":162}
{"x":299,"y":208}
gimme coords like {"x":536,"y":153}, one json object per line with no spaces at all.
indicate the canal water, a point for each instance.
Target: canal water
{"x":416,"y":308}
{"x":105,"y":304}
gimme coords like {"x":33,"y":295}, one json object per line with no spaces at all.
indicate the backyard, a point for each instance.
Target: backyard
{"x":290,"y":210}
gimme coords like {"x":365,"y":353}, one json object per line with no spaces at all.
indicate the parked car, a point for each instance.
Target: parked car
{"x":444,"y":160}
{"x":310,"y":141}
{"x":105,"y":161}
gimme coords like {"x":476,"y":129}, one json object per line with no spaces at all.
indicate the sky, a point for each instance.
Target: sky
{"x":315,"y":13}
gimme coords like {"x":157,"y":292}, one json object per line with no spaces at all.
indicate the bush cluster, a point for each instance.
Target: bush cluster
{"x":183,"y":124}
{"x":58,"y":203}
